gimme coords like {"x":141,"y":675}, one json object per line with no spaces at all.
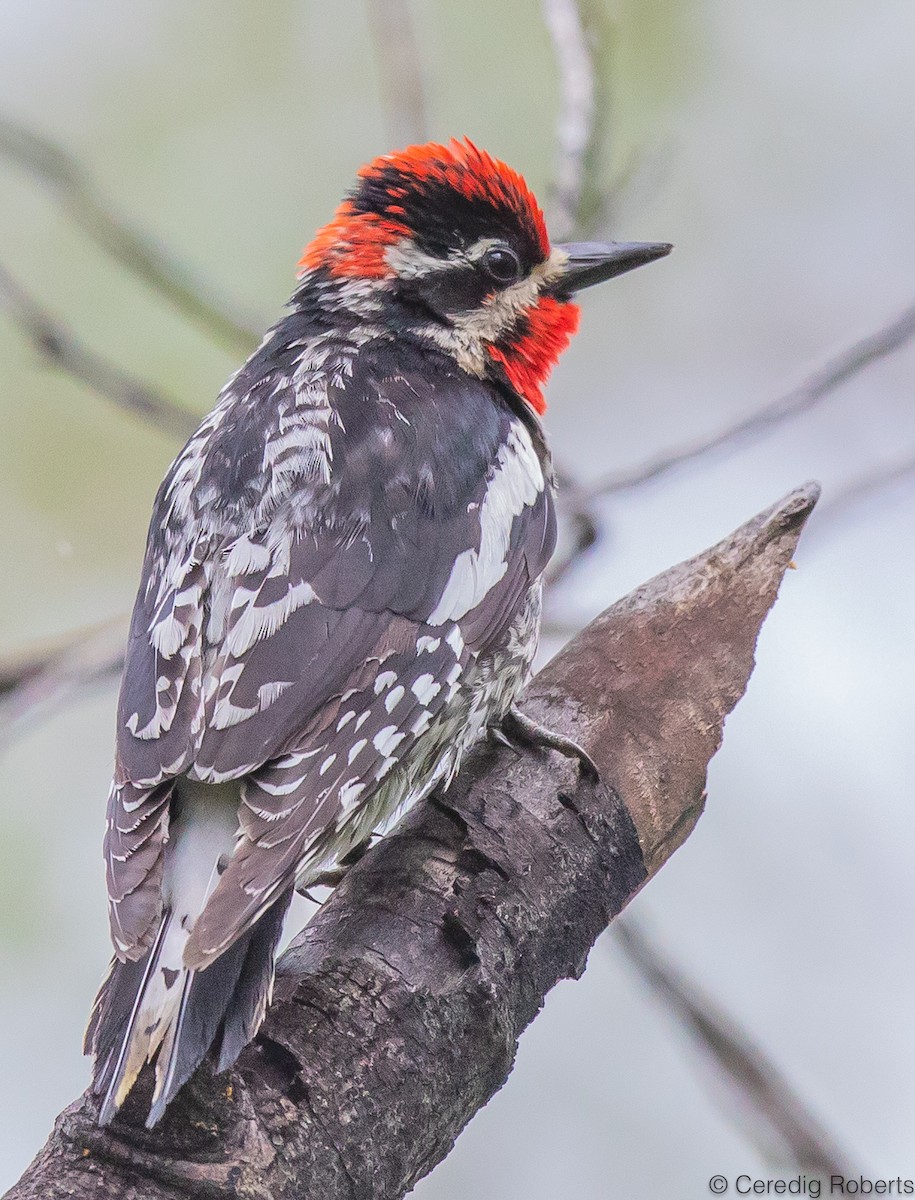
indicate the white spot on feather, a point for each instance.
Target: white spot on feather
{"x":350,"y":793}
{"x":422,"y":722}
{"x":425,"y":688}
{"x":355,"y":750}
{"x":246,"y":556}
{"x":384,"y":680}
{"x":267,"y":693}
{"x":251,"y":622}
{"x":388,"y":739}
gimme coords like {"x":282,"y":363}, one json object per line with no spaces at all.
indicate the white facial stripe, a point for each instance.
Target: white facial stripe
{"x":470,"y":332}
{"x":408,"y":261}
{"x":500,"y":311}
{"x":555,"y":265}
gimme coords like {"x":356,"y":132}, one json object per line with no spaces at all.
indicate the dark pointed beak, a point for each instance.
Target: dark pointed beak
{"x":593,"y":262}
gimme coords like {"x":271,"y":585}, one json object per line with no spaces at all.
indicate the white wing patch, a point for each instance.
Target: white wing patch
{"x":515,"y":483}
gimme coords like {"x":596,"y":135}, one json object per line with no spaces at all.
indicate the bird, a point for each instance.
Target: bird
{"x":341,"y":591}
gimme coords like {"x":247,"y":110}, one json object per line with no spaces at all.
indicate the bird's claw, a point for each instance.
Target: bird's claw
{"x":518,"y":729}
{"x":334,"y":876}
{"x":500,"y":737}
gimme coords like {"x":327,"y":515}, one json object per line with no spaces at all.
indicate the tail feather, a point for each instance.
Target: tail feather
{"x":114,"y":1014}
{"x":156,"y":1006}
{"x":111,"y":1012}
{"x":255,"y":984}
{"x":210,"y":996}
{"x":165,"y":1008}
{"x":218,"y":1008}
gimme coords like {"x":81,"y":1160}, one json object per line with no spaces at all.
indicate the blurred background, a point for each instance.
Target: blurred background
{"x":772,"y":143}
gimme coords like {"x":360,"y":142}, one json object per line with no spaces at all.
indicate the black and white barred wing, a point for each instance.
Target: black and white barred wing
{"x":159,"y":723}
{"x":330,"y":649}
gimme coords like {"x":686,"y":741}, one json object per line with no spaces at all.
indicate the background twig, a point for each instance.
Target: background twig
{"x":860,"y":490}
{"x":52,"y":166}
{"x":581,"y":33}
{"x":32,"y":682}
{"x":60,"y":349}
{"x":800,"y":399}
{"x":575,"y":126}
{"x":579,"y":529}
{"x":760,"y":1097}
{"x":400,"y":71}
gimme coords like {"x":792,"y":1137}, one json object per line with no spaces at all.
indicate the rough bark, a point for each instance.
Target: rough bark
{"x":398,"y":1010}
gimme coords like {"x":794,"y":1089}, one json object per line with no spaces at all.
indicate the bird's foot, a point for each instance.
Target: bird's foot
{"x":517,"y":729}
{"x":335,"y":875}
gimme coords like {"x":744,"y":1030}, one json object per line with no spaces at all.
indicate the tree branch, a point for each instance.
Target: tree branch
{"x":400,"y":71}
{"x":759,"y":1095}
{"x":581,"y":34}
{"x":397,"y":1011}
{"x":800,"y":399}
{"x":35,"y":679}
{"x":57,"y":170}
{"x":58,"y":347}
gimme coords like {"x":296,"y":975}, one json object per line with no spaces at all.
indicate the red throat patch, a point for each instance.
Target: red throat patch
{"x":533,"y":352}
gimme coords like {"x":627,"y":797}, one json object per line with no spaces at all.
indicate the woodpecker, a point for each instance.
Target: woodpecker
{"x":341,"y":591}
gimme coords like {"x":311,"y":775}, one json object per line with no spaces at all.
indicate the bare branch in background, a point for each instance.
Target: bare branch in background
{"x":60,"y":349}
{"x":578,"y":500}
{"x":581,"y":34}
{"x":579,"y":529}
{"x":584,"y":101}
{"x":863,"y":488}
{"x":575,"y":126}
{"x":57,"y":170}
{"x":801,"y":399}
{"x":17,"y":667}
{"x":36,"y":679}
{"x":768,"y":1108}
{"x":400,"y":69}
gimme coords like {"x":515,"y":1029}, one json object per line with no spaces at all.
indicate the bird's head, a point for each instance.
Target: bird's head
{"x":458,"y":242}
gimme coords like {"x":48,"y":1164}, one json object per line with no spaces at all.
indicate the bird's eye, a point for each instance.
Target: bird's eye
{"x":501,"y":264}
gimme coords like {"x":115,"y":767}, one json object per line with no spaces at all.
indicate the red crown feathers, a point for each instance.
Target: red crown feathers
{"x":354,"y":241}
